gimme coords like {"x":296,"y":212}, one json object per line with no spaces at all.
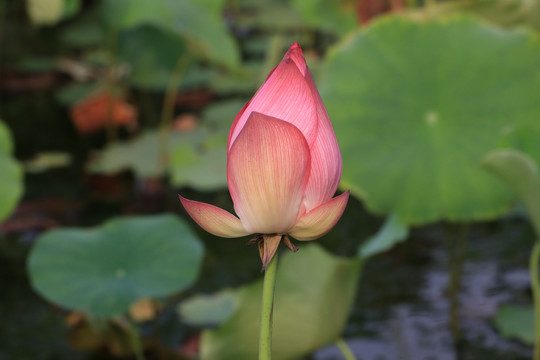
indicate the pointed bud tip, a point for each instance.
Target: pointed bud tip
{"x":295,"y":54}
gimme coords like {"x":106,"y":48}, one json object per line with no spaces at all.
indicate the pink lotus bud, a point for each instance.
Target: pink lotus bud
{"x":283,"y":164}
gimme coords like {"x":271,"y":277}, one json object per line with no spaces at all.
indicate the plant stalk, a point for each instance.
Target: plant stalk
{"x":167,"y":111}
{"x":535,"y":285}
{"x":110,"y":126}
{"x":267,"y":309}
{"x":135,"y":340}
{"x":345,"y":350}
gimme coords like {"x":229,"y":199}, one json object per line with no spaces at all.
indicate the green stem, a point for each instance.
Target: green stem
{"x":535,"y":284}
{"x":267,"y":309}
{"x":345,"y":350}
{"x":110,"y":82}
{"x":135,"y":340}
{"x":167,"y":111}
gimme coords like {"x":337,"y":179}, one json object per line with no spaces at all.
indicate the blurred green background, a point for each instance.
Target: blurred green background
{"x":109,"y":108}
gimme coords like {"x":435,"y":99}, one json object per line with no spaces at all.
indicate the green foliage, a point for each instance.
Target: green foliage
{"x":70,"y":94}
{"x":500,"y":12}
{"x":49,"y":12}
{"x":520,"y":172}
{"x":200,"y":24}
{"x":525,"y":139}
{"x":269,"y":15}
{"x":391,"y":233}
{"x":153,"y":67}
{"x":337,"y":17}
{"x":104,"y":270}
{"x":197,"y":159}
{"x":201,"y":166}
{"x":44,"y":161}
{"x":11,"y":175}
{"x":140,"y":155}
{"x":208,"y":310}
{"x":86,"y":31}
{"x":516,"y":322}
{"x":416,"y":105}
{"x":314,"y":292}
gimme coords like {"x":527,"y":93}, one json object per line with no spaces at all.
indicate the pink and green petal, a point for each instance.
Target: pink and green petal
{"x":267,"y":172}
{"x":214,"y":220}
{"x":320,"y":220}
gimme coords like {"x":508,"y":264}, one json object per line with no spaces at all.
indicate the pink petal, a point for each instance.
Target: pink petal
{"x":320,"y":220}
{"x":213,"y":219}
{"x":326,"y":163}
{"x":296,"y":55}
{"x":285,"y":95}
{"x":267,"y":171}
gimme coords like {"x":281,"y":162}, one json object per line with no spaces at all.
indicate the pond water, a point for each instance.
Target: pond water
{"x":403,"y":304}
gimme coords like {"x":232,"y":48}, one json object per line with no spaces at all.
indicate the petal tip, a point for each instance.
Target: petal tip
{"x":320,"y":220}
{"x":214,"y":220}
{"x":295,"y":54}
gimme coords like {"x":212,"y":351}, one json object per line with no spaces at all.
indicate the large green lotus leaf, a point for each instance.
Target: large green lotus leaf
{"x":11,"y":175}
{"x":516,"y":322}
{"x":313,"y":295}
{"x":201,"y":24}
{"x":153,"y":67}
{"x":505,"y":13}
{"x":104,"y":270}
{"x":520,"y":172}
{"x":415,"y":107}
